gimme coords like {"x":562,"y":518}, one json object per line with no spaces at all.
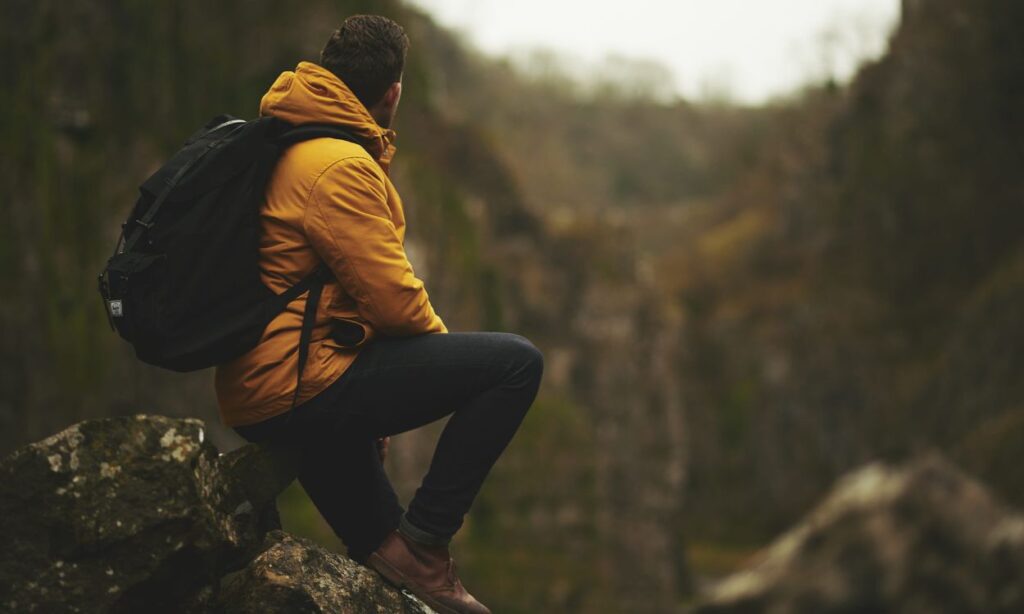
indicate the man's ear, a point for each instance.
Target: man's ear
{"x":384,"y":111}
{"x":392,"y":94}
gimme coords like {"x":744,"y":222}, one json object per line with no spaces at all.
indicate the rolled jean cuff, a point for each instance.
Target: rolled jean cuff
{"x":417,"y":534}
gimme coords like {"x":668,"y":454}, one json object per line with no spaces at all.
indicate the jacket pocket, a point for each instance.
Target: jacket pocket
{"x":348,"y":333}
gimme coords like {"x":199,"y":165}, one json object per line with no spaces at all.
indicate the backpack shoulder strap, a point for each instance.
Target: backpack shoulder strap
{"x":314,"y":284}
{"x":319,"y":275}
{"x":305,"y":132}
{"x":317,"y":278}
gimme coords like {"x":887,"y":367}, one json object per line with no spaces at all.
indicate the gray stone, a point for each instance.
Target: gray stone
{"x":297,"y":576}
{"x":141,"y":514}
{"x":122,"y":514}
{"x":920,"y":539}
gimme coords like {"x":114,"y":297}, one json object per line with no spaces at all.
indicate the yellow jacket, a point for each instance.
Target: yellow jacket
{"x":327,"y":201}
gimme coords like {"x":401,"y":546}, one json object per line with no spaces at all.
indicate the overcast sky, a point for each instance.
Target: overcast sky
{"x":749,"y":48}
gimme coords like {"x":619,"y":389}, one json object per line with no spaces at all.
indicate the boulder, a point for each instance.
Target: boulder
{"x":142,"y":514}
{"x":297,"y":576}
{"x":121,"y":514}
{"x":923,"y":538}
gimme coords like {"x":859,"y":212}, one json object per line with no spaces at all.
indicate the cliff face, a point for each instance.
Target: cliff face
{"x":848,"y":297}
{"x":141,"y":514}
{"x":842,"y":291}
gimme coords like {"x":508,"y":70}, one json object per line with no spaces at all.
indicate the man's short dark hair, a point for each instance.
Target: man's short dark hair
{"x":368,"y":53}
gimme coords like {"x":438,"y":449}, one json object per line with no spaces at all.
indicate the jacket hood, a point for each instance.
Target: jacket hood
{"x":313,"y":94}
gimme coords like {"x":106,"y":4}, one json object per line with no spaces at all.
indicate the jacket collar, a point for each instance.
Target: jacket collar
{"x":313,"y":94}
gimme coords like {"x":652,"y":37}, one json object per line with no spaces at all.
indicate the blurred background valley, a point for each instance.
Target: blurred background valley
{"x":736,"y":302}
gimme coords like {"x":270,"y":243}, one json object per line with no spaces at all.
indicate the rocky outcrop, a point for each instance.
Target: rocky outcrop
{"x":295,"y":575}
{"x":142,"y":514}
{"x":920,"y":539}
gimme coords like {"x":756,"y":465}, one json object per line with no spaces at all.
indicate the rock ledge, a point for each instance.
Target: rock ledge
{"x":142,"y":514}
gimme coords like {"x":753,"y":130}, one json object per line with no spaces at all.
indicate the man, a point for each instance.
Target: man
{"x":394,"y":366}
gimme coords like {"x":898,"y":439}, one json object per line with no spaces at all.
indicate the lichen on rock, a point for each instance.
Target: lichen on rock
{"x":141,"y":514}
{"x":295,"y":575}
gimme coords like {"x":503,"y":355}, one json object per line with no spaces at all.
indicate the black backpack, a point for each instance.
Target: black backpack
{"x":183,"y":286}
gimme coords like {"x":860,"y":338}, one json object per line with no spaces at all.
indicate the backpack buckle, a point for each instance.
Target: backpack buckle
{"x":108,"y":302}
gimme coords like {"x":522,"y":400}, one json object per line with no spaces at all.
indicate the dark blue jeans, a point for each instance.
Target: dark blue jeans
{"x":486,"y":380}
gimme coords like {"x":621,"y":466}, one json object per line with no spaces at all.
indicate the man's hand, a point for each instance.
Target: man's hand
{"x":382,"y":447}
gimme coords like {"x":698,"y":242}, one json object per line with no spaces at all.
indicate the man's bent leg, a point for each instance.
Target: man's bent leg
{"x":488,"y":379}
{"x":494,"y":378}
{"x":339,"y":468}
{"x":474,"y":438}
{"x":343,"y":476}
{"x":398,"y":384}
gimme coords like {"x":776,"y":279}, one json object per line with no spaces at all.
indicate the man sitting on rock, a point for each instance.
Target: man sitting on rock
{"x":380,"y":361}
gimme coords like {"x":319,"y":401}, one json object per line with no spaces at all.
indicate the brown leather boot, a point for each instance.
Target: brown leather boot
{"x":426,"y":571}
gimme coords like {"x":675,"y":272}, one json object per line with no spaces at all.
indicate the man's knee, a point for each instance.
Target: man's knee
{"x":526,"y":356}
